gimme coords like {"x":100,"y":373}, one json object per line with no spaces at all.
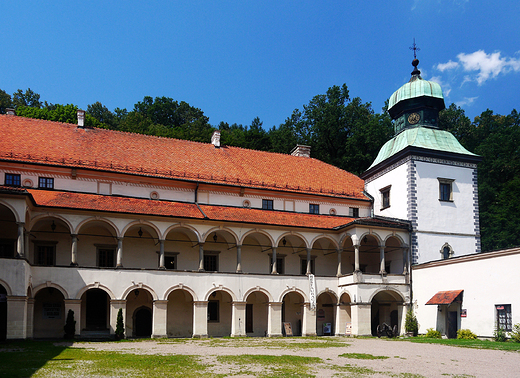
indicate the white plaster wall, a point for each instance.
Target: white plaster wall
{"x":397,"y":177}
{"x":486,"y":283}
{"x":430,"y":245}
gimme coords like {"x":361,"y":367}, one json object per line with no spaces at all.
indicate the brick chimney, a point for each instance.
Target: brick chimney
{"x":81,"y":118}
{"x":215,"y":138}
{"x":301,"y":150}
{"x":10,"y":111}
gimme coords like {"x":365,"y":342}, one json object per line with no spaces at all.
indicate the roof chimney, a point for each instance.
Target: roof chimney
{"x":10,"y":111}
{"x":301,"y":150}
{"x":215,"y":138}
{"x":81,"y":118}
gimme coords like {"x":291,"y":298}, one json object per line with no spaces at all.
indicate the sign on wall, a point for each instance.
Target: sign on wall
{"x":52,"y":310}
{"x":312,"y":292}
{"x":463,"y":313}
{"x":287,"y":329}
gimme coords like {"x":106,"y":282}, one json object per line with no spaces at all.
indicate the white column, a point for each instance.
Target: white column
{"x":274,"y":319}
{"x":356,"y":258}
{"x":308,"y":321}
{"x":161,"y":254}
{"x":115,"y":305}
{"x":238,"y":319}
{"x":75,"y":305}
{"x":74,"y":250}
{"x":16,"y":317}
{"x":160,"y":318}
{"x":239,"y":258}
{"x":382,"y":259}
{"x":20,"y":241}
{"x":405,"y":259}
{"x":201,"y":258}
{"x":30,"y":318}
{"x":339,"y":262}
{"x":273,"y":270}
{"x":119,"y":252}
{"x":361,"y":319}
{"x":308,"y":261}
{"x":200,"y":319}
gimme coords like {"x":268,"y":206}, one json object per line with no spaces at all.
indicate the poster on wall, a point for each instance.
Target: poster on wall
{"x":52,"y":311}
{"x":463,"y":313}
{"x":287,"y":329}
{"x":348,"y":330}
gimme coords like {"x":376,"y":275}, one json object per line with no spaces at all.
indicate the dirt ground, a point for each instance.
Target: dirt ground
{"x":406,"y":359}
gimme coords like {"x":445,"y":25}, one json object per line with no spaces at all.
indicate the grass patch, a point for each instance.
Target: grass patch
{"x":275,"y":366}
{"x":354,"y":371}
{"x":45,"y":359}
{"x":477,"y":344}
{"x":363,"y":356}
{"x":280,"y":343}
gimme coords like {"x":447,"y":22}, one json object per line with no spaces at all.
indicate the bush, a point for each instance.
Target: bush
{"x":120,"y":326}
{"x":515,"y":334}
{"x":466,"y":334}
{"x":410,"y":324}
{"x":499,"y":334}
{"x":433,"y":334}
{"x":70,"y":325}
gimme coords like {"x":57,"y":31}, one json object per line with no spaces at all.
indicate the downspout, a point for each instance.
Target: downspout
{"x":197,"y":199}
{"x":410,"y":264}
{"x":371,"y":200}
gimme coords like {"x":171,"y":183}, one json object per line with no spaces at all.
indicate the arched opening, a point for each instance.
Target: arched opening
{"x":394,"y":262}
{"x":369,"y":255}
{"x":3,"y":313}
{"x":348,"y":257}
{"x":180,"y":250}
{"x":387,"y":307}
{"x":256,"y":314}
{"x":326,"y":257}
{"x":95,"y":304}
{"x":220,"y":252}
{"x":219,"y":314}
{"x":345,"y":315}
{"x":97,"y":245}
{"x":257,"y":255}
{"x":138,"y":299}
{"x":180,"y":314}
{"x":140,"y":247}
{"x":49,"y":313}
{"x":325,"y":314}
{"x":8,"y":233}
{"x":292,"y":311}
{"x":50,"y":243}
{"x":294,"y":251}
{"x":143,"y":322}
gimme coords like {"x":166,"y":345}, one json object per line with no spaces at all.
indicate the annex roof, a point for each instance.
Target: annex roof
{"x":446,"y":297}
{"x":67,"y":145}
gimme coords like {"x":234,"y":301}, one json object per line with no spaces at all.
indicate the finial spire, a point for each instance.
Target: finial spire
{"x":415,"y":49}
{"x":415,"y":61}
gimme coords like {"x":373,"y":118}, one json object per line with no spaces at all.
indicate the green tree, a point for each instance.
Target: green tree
{"x":103,"y":115}
{"x":58,"y":113}
{"x":70,"y":325}
{"x":5,"y":101}
{"x":27,"y":98}
{"x":120,"y":326}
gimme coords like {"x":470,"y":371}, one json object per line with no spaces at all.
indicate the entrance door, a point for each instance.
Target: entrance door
{"x":97,"y":309}
{"x":249,"y":318}
{"x":143,"y":322}
{"x":452,"y":324}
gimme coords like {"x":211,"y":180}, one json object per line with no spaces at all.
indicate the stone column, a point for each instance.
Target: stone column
{"x":161,"y":254}
{"x":238,"y":319}
{"x":74,"y":250}
{"x":361,"y":319}
{"x":308,"y":261}
{"x":356,"y":258}
{"x":160,"y":319}
{"x":201,"y":259}
{"x":16,"y":317}
{"x":338,"y":274}
{"x":26,"y":245}
{"x":119,"y":252}
{"x":308,"y":321}
{"x":273,"y":270}
{"x":20,"y":241}
{"x":30,"y":318}
{"x":405,"y":259}
{"x":239,"y":258}
{"x":75,"y":305}
{"x":274,"y":319}
{"x":200,"y":318}
{"x":115,"y":305}
{"x":382,"y":269}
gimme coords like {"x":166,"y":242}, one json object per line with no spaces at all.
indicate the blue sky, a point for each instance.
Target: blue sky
{"x":237,"y":60}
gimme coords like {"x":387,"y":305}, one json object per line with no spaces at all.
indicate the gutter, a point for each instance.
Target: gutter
{"x":197,"y":203}
{"x":372,"y":201}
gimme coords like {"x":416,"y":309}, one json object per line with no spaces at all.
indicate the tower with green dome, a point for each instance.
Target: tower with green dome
{"x":424,"y":175}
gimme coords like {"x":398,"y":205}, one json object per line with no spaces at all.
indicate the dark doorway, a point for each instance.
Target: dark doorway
{"x":143,"y":322}
{"x":97,"y":310}
{"x":452,"y":324}
{"x":393,"y":319}
{"x":249,"y":318}
{"x":3,"y":313}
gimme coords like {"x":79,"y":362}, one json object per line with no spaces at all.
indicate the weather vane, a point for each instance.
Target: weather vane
{"x":415,"y":49}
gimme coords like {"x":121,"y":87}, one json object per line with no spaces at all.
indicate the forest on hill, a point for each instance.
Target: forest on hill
{"x":342,"y":131}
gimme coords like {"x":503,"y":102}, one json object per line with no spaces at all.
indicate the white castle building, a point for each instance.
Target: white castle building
{"x":197,"y":240}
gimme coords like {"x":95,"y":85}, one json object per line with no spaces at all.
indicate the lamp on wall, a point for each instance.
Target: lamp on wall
{"x":136,"y":291}
{"x":140,"y":232}
{"x":53,"y":226}
{"x":215,"y":237}
{"x":284,"y":242}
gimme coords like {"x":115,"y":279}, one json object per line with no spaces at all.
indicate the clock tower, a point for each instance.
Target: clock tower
{"x":425,"y":176}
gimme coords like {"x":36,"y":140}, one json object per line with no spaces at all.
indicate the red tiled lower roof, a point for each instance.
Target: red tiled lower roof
{"x":67,"y":145}
{"x":445,"y":297}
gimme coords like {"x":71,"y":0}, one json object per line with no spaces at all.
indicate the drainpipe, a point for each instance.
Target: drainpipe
{"x":410,"y":265}
{"x":371,"y":200}
{"x":196,"y":201}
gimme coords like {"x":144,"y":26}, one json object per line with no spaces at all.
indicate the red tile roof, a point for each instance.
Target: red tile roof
{"x":445,"y":297}
{"x":62,"y":144}
{"x":96,"y":202}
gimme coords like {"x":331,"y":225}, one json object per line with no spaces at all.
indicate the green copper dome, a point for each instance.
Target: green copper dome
{"x":416,"y":87}
{"x":423,"y":137}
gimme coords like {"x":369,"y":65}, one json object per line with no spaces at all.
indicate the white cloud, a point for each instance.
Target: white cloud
{"x":446,"y":88}
{"x":487,"y":65}
{"x":466,"y":101}
{"x":447,"y":66}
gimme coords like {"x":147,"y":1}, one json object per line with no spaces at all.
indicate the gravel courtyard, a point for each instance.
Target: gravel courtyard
{"x":405,"y":359}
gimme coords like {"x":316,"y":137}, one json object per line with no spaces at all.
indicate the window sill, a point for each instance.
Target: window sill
{"x":441,"y":200}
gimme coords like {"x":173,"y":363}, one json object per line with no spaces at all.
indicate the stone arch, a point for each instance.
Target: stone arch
{"x":328,"y":291}
{"x":386,"y":306}
{"x":342,"y":293}
{"x":50,"y":284}
{"x":446,"y":251}
{"x":198,"y":236}
{"x":139,"y":286}
{"x":293,"y":233}
{"x":388,"y":289}
{"x":326,"y":302}
{"x":96,"y":285}
{"x":293,"y":289}
{"x":344,"y":237}
{"x":396,"y":236}
{"x":257,"y":231}
{"x":49,"y":301}
{"x":40,"y":217}
{"x":6,"y":287}
{"x":97,"y":219}
{"x":260,"y":289}
{"x":257,"y":312}
{"x":141,"y":222}
{"x":328,"y":237}
{"x":375,"y":235}
{"x":293,"y":307}
{"x":142,"y":319}
{"x":221,"y":288}
{"x":181,"y":287}
{"x":224,"y":229}
{"x":13,"y":210}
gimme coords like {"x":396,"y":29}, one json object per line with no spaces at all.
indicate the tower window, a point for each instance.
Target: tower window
{"x":385,"y":197}
{"x":445,"y":189}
